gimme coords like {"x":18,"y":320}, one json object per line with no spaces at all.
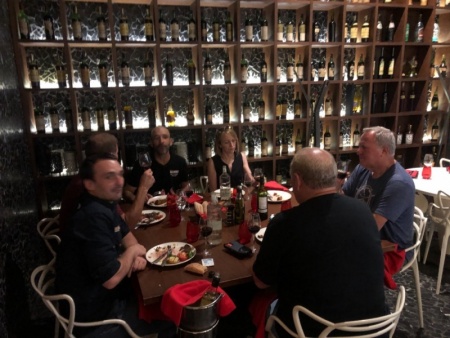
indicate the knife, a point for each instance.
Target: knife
{"x":169,"y":252}
{"x":160,"y":257}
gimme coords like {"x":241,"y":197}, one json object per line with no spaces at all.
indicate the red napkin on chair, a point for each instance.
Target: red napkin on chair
{"x":393,"y":262}
{"x":180,"y":295}
{"x":274,"y":185}
{"x":194,"y":198}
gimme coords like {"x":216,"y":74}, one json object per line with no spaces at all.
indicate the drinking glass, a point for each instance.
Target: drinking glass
{"x":342,"y":168}
{"x":181,"y":199}
{"x":428,"y":162}
{"x":257,"y":174}
{"x":144,"y":160}
{"x":205,"y":231}
{"x":247,"y":185}
{"x":188,"y":191}
{"x":254,"y":225}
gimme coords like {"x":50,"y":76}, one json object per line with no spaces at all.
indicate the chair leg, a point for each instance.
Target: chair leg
{"x":443,"y":254}
{"x":430,"y":237}
{"x":415,"y":267}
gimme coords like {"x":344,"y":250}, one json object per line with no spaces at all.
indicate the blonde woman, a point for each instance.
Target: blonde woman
{"x":226,"y":147}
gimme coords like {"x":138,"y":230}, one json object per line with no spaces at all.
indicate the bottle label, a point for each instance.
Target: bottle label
{"x":61,"y":76}
{"x":262,"y":204}
{"x":175,"y":29}
{"x":148,"y":29}
{"x":322,"y":72}
{"x":229,"y":34}
{"x":365,"y":32}
{"x":124,"y":30}
{"x":330,"y":72}
{"x":290,"y":73}
{"x":103,"y":75}
{"x":76,"y":26}
{"x":409,"y":138}
{"x":261,"y":113}
{"x":148,"y":74}
{"x":280,"y":32}
{"x":381,"y":68}
{"x":247,"y":113}
{"x":264,"y":33}
{"x":290,"y":33}
{"x":278,"y":73}
{"x":399,"y":138}
{"x":353,"y":33}
{"x":361,"y":71}
{"x":208,"y":75}
{"x":191,"y":29}
{"x":225,"y":193}
{"x":85,"y":76}
{"x":264,"y":146}
{"x":54,"y":119}
{"x":125,"y":75}
{"x":297,"y":110}
{"x":244,"y":74}
{"x":356,"y":140}
{"x":216,"y":32}
{"x":23,"y":26}
{"x":101,"y":30}
{"x":34,"y":75}
{"x":40,"y":123}
{"x":300,"y":72}
{"x":327,"y":142}
{"x":86,"y":119}
{"x":249,"y":33}
{"x":207,"y":152}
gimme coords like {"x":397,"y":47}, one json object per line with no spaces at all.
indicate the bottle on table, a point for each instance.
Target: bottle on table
{"x":215,"y":220}
{"x":262,"y":199}
{"x":239,"y":207}
{"x":225,"y":185}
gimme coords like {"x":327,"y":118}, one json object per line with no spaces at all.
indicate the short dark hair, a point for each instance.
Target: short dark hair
{"x":87,"y":167}
{"x":100,"y":143}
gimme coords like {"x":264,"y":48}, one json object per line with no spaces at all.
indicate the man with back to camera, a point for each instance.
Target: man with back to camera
{"x":169,"y":170}
{"x":324,"y":254}
{"x":97,"y":252}
{"x":388,"y":190}
{"x":98,"y":144}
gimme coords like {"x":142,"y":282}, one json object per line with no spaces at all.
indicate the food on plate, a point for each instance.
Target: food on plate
{"x":172,"y":260}
{"x":150,"y":217}
{"x":196,"y":268}
{"x":160,"y":201}
{"x":275,"y":197}
{"x":182,"y":256}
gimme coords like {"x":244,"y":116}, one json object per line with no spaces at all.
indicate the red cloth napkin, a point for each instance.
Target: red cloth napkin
{"x":273,"y":185}
{"x":258,"y":310}
{"x":194,"y":198}
{"x":412,"y":173}
{"x":393,"y":262}
{"x":178,"y":296}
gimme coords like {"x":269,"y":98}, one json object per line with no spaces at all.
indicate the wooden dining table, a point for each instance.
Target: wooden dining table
{"x":155,"y":280}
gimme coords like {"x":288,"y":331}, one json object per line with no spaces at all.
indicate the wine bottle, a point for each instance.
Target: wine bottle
{"x":435,"y":100}
{"x":263,"y":70}
{"x":123,"y":27}
{"x":85,"y":73}
{"x":125,"y":72}
{"x":151,"y":112}
{"x":103,"y":73}
{"x":435,"y":36}
{"x":112,"y":117}
{"x":284,"y":106}
{"x":261,"y":109}
{"x":248,"y":29}
{"x":407,"y":32}
{"x":412,"y":97}
{"x":280,"y":30}
{"x":278,"y":109}
{"x":191,"y":71}
{"x":76,"y":24}
{"x":290,"y":69}
{"x":381,"y":64}
{"x":379,"y":34}
{"x":432,"y":69}
{"x":290,"y":31}
{"x":128,"y":113}
{"x":169,"y":72}
{"x":208,"y":151}
{"x":356,"y":137}
{"x":331,"y":69}
{"x":419,"y":30}
{"x":316,"y":31}
{"x":347,"y":31}
{"x":68,"y":117}
{"x":244,"y":69}
{"x":402,"y":106}
{"x":207,"y":69}
{"x":86,"y":118}
{"x":162,"y":27}
{"x":351,"y":70}
{"x":99,"y":113}
{"x":216,"y":30}
{"x":373,"y":107}
{"x":391,"y":29}
{"x":299,"y":68}
{"x":327,"y":139}
{"x":61,"y":74}
{"x":48,"y":26}
{"x":435,"y":132}
{"x":297,"y":106}
{"x":204,"y":29}
{"x":239,"y":207}
{"x":227,"y":70}
{"x":101,"y":25}
{"x":54,"y":117}
{"x":264,"y":145}
{"x":278,"y":72}
{"x":148,"y":26}
{"x":399,"y":138}
{"x":284,"y":144}
{"x":33,"y":72}
{"x":384,"y":103}
{"x":226,"y":113}
{"x":301,"y":29}
{"x":298,"y":141}
{"x":251,"y":147}
{"x":246,"y":109}
{"x":39,"y":119}
{"x":354,"y":29}
{"x":208,"y":111}
{"x":409,"y":135}
{"x":264,"y":28}
{"x":341,"y":140}
{"x":278,"y":146}
{"x":229,"y":30}
{"x":391,"y":66}
{"x":225,"y":187}
{"x":148,"y":77}
{"x":332,"y":30}
{"x":175,"y":29}
{"x":357,"y":100}
{"x":328,"y":105}
{"x":243,"y":144}
{"x":262,"y":200}
{"x":365,"y":30}
{"x":443,"y":66}
{"x":361,"y":68}
{"x":24,"y":24}
{"x":322,"y":70}
{"x":170,"y":116}
{"x":192,"y":28}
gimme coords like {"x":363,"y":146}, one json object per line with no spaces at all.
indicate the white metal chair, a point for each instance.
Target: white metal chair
{"x":48,"y":229}
{"x":42,"y":280}
{"x":439,"y":214}
{"x":419,"y":226}
{"x":444,"y":160}
{"x":371,"y":327}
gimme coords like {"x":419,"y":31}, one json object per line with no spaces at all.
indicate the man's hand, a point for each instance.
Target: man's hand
{"x":139,"y":264}
{"x":147,"y":180}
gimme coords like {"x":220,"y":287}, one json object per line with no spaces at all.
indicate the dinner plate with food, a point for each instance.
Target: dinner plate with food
{"x":151,"y":217}
{"x":278,"y":196}
{"x":234,"y":193}
{"x":260,"y":235}
{"x":171,"y":254}
{"x":158,"y":201}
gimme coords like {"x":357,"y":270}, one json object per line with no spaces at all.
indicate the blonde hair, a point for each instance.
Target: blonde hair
{"x":227,"y":130}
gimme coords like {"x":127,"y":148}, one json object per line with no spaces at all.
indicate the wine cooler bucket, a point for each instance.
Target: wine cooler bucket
{"x":208,"y":333}
{"x":197,"y":318}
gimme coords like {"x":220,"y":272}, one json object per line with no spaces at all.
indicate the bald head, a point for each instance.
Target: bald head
{"x":316,"y":167}
{"x":101,"y":143}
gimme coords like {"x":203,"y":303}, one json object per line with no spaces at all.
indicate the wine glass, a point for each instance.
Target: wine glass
{"x":254,"y":225}
{"x":205,"y":231}
{"x":181,"y":199}
{"x":257,"y":174}
{"x":428,"y":162}
{"x":188,"y":191}
{"x":144,"y":160}
{"x":247,"y":185}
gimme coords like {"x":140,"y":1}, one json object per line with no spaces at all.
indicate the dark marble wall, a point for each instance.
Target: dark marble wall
{"x":19,"y":242}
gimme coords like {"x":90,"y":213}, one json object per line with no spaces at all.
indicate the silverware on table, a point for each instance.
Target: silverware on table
{"x":160,"y":257}
{"x":169,"y":253}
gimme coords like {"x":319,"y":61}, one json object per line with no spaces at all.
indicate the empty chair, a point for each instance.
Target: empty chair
{"x":42,"y":280}
{"x":439,"y":214}
{"x":370,"y":327}
{"x":48,"y":229}
{"x":444,"y":161}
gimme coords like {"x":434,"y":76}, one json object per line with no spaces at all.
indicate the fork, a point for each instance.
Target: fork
{"x":169,"y":253}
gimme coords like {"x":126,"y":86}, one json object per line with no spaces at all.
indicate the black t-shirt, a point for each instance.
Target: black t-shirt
{"x":170,"y":175}
{"x":325,"y":255}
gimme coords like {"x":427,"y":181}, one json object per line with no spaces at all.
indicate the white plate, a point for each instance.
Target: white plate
{"x":217,"y":192}
{"x":144,"y":212}
{"x":285,"y":196}
{"x":260,"y":235}
{"x":160,"y":249}
{"x":151,"y":201}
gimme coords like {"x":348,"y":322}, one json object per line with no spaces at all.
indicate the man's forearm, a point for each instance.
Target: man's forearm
{"x":133,"y":215}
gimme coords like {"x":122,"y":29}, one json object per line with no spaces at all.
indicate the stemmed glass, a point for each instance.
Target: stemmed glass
{"x":181,"y":199}
{"x":248,"y":185}
{"x":254,"y":225}
{"x":144,"y":160}
{"x":205,"y":231}
{"x":257,"y":173}
{"x":188,"y":191}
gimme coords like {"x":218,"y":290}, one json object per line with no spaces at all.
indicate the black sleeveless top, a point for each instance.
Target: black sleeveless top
{"x":237,"y":169}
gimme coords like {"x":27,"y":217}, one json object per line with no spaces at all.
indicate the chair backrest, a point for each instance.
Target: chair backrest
{"x":48,"y":229}
{"x":443,"y":160}
{"x":42,"y":280}
{"x":440,"y":212}
{"x":366,"y":328}
{"x":419,"y":227}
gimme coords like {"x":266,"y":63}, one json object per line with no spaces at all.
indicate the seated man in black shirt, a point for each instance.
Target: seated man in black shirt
{"x":169,"y":170}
